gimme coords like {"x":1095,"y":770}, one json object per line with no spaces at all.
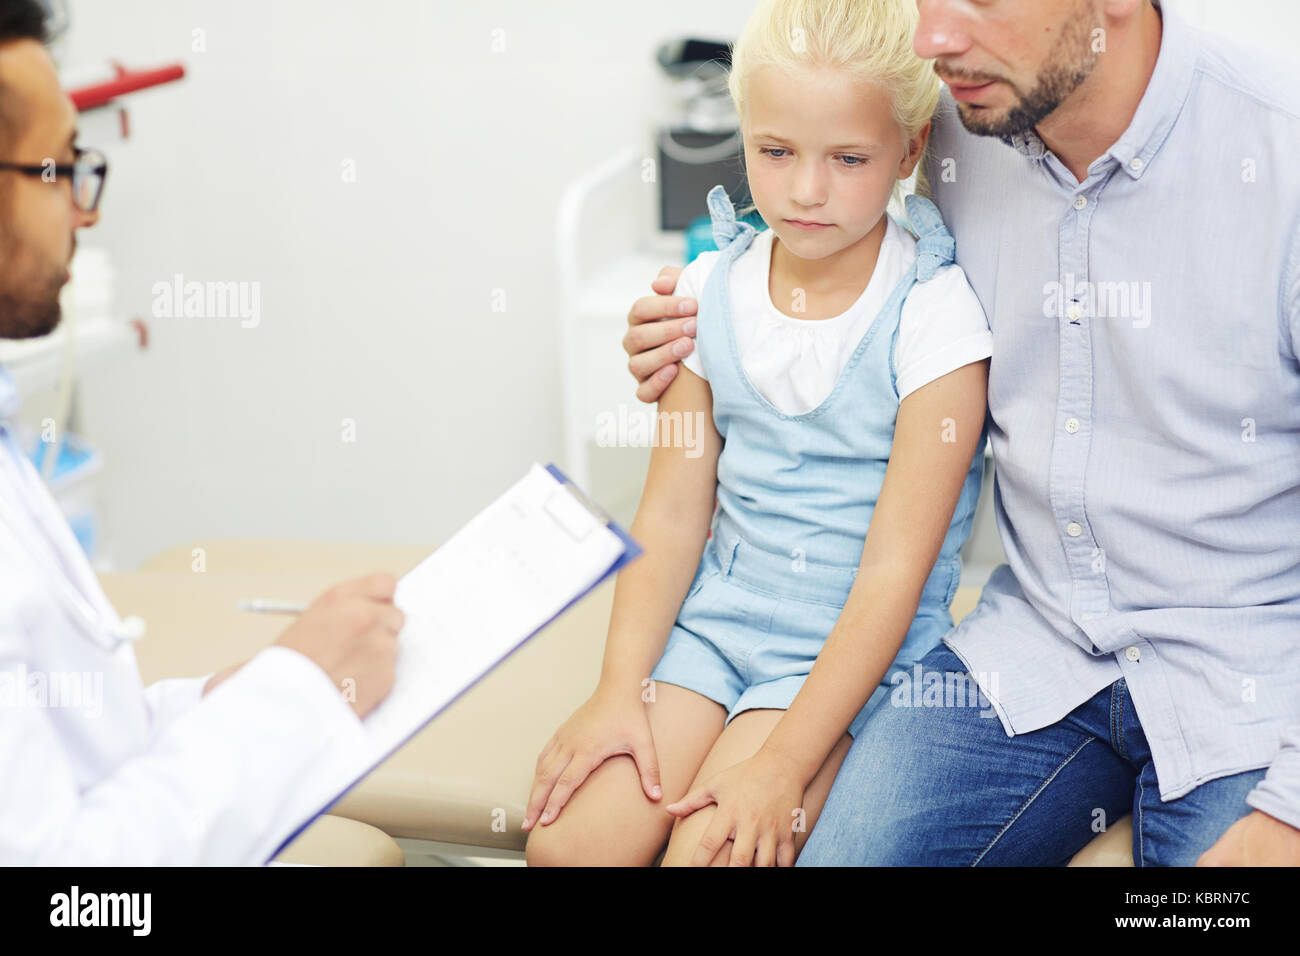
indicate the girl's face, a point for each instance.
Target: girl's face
{"x":823,"y":148}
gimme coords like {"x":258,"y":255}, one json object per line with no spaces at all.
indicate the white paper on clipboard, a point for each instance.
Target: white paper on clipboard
{"x":495,"y":583}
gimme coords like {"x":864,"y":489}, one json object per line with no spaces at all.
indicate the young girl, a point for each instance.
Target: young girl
{"x":839,"y":379}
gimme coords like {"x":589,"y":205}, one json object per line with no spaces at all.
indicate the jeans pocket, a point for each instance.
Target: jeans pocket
{"x":954,"y":584}
{"x":941,"y":586}
{"x":708,"y":569}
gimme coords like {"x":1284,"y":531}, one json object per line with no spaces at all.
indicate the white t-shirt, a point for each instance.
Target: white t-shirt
{"x":794,"y":363}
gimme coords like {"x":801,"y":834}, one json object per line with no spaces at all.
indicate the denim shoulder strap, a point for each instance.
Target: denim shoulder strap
{"x":935,"y":248}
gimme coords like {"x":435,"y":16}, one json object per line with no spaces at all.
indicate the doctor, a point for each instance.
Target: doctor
{"x":97,"y":769}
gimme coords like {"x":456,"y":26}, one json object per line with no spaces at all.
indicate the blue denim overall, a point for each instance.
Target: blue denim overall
{"x":795,"y":496}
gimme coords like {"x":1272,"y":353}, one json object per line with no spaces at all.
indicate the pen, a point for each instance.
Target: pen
{"x":271,"y":606}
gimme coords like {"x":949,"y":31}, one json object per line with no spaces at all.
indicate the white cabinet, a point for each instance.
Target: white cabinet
{"x":608,"y":250}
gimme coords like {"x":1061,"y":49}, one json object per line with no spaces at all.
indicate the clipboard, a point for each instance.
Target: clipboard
{"x":575,"y":507}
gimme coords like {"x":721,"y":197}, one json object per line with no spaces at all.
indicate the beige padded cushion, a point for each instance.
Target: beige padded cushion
{"x":465,"y":777}
{"x":1112,"y":848}
{"x":337,"y":841}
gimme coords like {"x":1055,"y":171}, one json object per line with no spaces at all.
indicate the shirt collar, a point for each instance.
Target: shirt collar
{"x":1163,"y":100}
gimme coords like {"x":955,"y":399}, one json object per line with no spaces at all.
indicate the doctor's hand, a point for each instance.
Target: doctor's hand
{"x":609,"y":724}
{"x":351,"y":631}
{"x":661,"y":330}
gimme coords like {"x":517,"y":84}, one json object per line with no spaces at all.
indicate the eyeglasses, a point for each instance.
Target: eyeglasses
{"x":87,"y":172}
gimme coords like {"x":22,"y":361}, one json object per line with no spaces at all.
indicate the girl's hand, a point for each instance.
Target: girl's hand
{"x":605,"y":726}
{"x":1257,"y":839}
{"x":759,"y":801}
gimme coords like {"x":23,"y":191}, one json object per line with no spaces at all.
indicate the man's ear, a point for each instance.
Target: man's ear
{"x":915,"y":146}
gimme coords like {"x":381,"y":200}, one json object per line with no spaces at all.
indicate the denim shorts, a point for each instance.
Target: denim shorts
{"x":752,"y":625}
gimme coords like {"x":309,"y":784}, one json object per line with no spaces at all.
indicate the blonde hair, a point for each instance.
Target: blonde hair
{"x":869,"y":39}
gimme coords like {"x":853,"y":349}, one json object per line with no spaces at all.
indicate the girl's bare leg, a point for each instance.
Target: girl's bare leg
{"x":609,"y":821}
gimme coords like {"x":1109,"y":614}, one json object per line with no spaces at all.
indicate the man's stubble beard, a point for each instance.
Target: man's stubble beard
{"x":1070,"y":63}
{"x":24,"y":319}
{"x":30,"y":308}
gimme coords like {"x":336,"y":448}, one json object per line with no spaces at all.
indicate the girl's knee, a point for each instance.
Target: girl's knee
{"x":545,"y":847}
{"x":600,"y":832}
{"x":575,"y":840}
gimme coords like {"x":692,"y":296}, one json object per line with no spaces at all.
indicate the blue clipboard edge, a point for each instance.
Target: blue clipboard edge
{"x":631,"y":551}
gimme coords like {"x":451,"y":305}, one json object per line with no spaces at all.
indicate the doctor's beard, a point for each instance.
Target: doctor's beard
{"x":29,"y":304}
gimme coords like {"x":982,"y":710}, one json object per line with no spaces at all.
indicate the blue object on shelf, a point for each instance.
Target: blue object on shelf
{"x":72,"y":484}
{"x":73,"y":454}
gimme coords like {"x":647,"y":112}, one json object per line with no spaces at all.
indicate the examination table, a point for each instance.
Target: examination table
{"x":464,"y":779}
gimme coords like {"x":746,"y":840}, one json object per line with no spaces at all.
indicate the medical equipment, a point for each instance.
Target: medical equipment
{"x":698,"y":141}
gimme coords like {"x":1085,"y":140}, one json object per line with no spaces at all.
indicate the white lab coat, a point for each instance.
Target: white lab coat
{"x":157,"y":775}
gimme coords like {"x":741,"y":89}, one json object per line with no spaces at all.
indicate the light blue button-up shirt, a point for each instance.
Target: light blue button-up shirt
{"x":1144,"y":397}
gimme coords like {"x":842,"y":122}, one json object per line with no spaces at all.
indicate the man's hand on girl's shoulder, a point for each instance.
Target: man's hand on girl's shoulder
{"x":661,"y":330}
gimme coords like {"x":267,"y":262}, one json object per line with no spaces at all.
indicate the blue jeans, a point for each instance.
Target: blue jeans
{"x":944,"y":785}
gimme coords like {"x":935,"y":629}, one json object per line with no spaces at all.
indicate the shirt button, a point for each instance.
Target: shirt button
{"x":1085,"y":617}
{"x":1080,"y":202}
{"x":1136,"y":164}
{"x":1133,"y":654}
{"x":1072,"y":425}
{"x":1074,"y":529}
{"x":1075,"y":312}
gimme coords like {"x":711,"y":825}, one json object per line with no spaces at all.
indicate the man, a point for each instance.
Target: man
{"x":187,"y":771}
{"x":1123,"y":193}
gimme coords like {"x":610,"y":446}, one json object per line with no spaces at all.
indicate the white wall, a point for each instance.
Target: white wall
{"x":1273,"y":24}
{"x":376,"y":295}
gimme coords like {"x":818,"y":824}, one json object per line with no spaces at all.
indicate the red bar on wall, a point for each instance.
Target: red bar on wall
{"x":127,"y":81}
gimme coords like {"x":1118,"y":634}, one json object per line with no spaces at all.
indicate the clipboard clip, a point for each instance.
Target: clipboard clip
{"x":581,"y":523}
{"x":601,"y":516}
